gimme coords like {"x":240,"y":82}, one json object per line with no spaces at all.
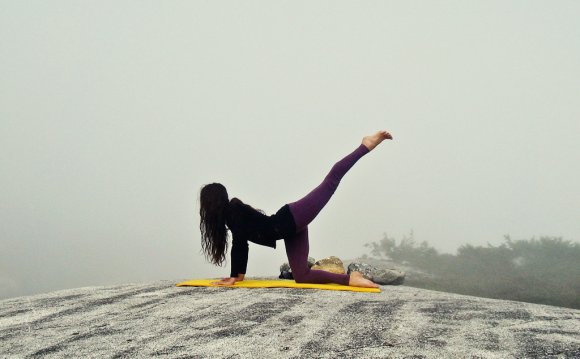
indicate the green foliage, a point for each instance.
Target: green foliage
{"x":544,"y":271}
{"x":408,"y":250}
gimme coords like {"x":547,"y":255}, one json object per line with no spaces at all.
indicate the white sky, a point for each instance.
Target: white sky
{"x":114,"y":113}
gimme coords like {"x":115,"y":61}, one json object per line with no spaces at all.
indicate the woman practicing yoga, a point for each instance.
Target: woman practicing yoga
{"x":219,"y":213}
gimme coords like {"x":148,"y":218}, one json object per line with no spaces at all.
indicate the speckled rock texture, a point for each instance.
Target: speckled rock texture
{"x":160,"y":319}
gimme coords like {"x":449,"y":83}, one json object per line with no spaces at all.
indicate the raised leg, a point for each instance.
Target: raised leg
{"x":307,"y":208}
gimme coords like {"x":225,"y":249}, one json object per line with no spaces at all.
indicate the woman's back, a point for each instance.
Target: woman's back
{"x":245,"y":221}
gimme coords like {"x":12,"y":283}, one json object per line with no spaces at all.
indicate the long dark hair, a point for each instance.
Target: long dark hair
{"x":213,"y":211}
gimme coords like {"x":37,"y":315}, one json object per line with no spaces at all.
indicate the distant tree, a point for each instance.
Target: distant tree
{"x":544,"y":270}
{"x":408,"y":250}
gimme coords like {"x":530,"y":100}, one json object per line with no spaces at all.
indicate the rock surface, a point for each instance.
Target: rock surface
{"x":390,"y":276}
{"x":159,"y":319}
{"x":411,"y":273}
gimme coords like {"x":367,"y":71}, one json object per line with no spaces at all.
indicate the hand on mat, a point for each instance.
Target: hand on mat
{"x":225,"y":281}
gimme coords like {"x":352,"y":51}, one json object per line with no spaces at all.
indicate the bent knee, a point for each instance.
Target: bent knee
{"x":300,"y":277}
{"x":300,"y":280}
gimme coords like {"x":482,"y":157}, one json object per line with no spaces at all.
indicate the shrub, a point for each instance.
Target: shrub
{"x":543,"y":271}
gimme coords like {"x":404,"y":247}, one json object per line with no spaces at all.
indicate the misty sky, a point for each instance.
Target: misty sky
{"x":113,"y":114}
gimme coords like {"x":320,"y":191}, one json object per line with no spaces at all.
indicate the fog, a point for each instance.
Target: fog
{"x":113,"y":114}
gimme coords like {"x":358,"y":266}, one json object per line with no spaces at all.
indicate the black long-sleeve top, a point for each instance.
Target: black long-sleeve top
{"x":248,"y":224}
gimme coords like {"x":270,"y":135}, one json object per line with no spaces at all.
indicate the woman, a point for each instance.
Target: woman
{"x":219,"y":213}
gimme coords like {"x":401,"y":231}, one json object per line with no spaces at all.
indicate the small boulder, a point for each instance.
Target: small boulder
{"x":330,"y":264}
{"x":382,"y":276}
{"x":286,"y":275}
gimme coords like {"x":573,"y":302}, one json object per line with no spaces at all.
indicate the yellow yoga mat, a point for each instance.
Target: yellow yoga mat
{"x":275,"y":283}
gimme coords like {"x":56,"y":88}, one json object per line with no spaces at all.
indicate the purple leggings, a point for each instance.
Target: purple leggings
{"x":304,"y":211}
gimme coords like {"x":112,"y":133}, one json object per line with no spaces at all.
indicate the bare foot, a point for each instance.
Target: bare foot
{"x":357,"y":280}
{"x":373,"y":140}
